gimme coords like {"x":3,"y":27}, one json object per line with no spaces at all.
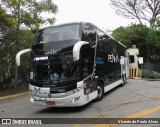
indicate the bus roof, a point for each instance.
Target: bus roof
{"x":117,"y":41}
{"x":83,"y":22}
{"x":64,"y":24}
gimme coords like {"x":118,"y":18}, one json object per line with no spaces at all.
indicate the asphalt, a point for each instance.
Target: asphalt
{"x":137,"y":99}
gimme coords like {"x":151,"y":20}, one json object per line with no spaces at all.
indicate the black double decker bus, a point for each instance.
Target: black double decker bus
{"x":75,"y":63}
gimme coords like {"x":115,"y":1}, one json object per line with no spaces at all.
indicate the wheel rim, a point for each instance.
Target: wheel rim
{"x":100,"y":92}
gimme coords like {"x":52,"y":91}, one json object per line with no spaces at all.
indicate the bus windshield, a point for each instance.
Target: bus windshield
{"x":54,"y":69}
{"x":57,"y":33}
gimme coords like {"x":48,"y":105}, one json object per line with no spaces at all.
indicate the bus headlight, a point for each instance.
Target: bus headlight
{"x":75,"y":91}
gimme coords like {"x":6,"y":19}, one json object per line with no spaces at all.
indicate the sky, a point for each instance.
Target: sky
{"x":98,"y":12}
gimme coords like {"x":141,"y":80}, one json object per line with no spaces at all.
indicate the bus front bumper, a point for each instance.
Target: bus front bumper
{"x":42,"y":96}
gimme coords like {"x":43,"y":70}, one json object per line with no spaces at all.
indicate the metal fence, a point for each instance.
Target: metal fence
{"x":150,"y":70}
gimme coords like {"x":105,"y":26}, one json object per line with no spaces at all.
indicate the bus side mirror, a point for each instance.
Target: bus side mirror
{"x":76,"y":49}
{"x":19,"y":55}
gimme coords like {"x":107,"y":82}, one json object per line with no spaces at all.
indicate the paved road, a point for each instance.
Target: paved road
{"x":137,"y":99}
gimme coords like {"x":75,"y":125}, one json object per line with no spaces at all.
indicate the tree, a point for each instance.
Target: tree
{"x":6,"y":22}
{"x":146,"y":39}
{"x":7,"y":53}
{"x":158,"y":23}
{"x":119,"y":34}
{"x":142,"y":10}
{"x":29,"y":13}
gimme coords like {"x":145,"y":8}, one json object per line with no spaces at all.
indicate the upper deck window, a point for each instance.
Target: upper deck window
{"x":58,"y":33}
{"x":89,"y":33}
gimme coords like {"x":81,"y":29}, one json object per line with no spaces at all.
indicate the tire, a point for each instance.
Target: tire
{"x":100,"y":91}
{"x":123,"y":81}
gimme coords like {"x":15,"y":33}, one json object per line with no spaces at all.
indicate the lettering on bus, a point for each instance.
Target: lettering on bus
{"x":34,"y":91}
{"x":51,"y":52}
{"x":99,"y":60}
{"x":113,"y":58}
{"x":37,"y":90}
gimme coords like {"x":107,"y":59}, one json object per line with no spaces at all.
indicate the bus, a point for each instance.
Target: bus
{"x":73,"y":64}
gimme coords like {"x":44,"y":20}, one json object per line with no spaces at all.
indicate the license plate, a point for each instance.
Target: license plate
{"x":50,"y":102}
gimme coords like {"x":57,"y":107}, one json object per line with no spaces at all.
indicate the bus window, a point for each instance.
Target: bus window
{"x":59,"y":33}
{"x":89,"y":33}
{"x":87,"y":61}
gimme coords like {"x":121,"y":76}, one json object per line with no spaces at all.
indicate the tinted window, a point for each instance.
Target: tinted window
{"x":55,"y":68}
{"x":87,"y":61}
{"x":109,"y":47}
{"x":102,"y":41}
{"x":58,"y":33}
{"x":89,"y":33}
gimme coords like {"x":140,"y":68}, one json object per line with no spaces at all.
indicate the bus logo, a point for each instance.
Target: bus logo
{"x":113,"y":58}
{"x":51,"y":52}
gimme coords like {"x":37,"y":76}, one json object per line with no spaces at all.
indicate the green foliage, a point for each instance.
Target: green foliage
{"x":7,"y":53}
{"x":31,"y":13}
{"x":150,"y":75}
{"x":119,"y":33}
{"x":150,"y":70}
{"x":17,"y":28}
{"x":6,"y":22}
{"x":146,"y":39}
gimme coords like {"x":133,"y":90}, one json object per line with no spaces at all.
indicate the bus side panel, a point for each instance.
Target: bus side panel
{"x":108,"y":61}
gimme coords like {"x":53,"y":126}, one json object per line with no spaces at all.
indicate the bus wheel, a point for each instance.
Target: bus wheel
{"x":100,"y":91}
{"x":123,"y":81}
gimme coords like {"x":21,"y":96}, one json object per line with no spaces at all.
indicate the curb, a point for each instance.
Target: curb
{"x":14,"y":95}
{"x":138,"y":78}
{"x":151,"y":79}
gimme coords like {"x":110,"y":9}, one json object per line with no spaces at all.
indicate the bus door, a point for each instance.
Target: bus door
{"x":86,"y":70}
